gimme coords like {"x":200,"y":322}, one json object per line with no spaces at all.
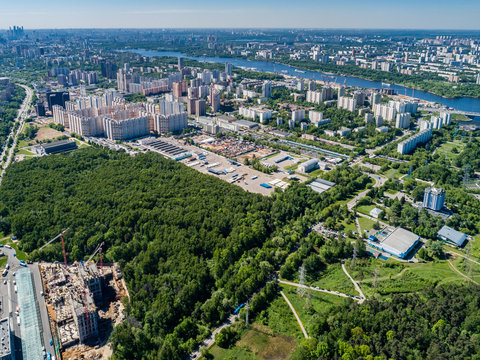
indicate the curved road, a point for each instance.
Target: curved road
{"x":357,"y":287}
{"x":460,"y":273}
{"x":296,"y":315}
{"x":331,"y":292}
{"x":208,"y":342}
{"x":21,"y":116}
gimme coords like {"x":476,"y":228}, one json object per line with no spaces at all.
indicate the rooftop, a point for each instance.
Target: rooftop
{"x":57,"y":143}
{"x":399,"y":242}
{"x":453,"y":235}
{"x":434,"y":190}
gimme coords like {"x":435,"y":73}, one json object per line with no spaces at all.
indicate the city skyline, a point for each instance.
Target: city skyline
{"x":347,"y":14}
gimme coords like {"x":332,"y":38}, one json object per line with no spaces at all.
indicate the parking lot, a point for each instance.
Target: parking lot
{"x":241,"y":175}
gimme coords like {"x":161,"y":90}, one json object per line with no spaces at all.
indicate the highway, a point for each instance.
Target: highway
{"x":21,"y":116}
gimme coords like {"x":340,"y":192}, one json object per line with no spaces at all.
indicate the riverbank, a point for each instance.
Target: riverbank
{"x":466,"y":104}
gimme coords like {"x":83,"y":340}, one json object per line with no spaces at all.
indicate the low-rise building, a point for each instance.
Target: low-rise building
{"x":451,"y":236}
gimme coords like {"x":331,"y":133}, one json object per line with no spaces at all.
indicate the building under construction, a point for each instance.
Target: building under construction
{"x":73,"y":296}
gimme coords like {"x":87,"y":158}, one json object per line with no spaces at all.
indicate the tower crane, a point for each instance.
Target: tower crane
{"x":98,"y":250}
{"x":63,"y":244}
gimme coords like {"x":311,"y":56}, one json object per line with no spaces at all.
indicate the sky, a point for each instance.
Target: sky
{"x":357,"y":14}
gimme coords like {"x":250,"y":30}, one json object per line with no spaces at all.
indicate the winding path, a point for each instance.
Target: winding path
{"x":460,"y":273}
{"x":208,"y":342}
{"x":296,"y":315}
{"x":357,"y":287}
{"x":318,"y":289}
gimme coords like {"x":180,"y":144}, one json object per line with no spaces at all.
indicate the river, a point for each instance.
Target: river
{"x":461,"y":104}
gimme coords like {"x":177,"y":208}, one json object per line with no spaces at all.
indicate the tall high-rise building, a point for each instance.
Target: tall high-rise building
{"x":434,"y":198}
{"x":214,"y":99}
{"x":57,"y":98}
{"x":200,"y":107}
{"x":298,"y":115}
{"x":267,"y":89}
{"x":403,"y":120}
{"x":180,"y":63}
{"x":228,"y":69}
{"x":347,"y":103}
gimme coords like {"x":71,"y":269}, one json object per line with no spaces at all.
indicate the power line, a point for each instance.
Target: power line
{"x":301,"y":289}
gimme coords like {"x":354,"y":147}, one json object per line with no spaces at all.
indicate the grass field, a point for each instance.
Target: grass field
{"x":365,"y":209}
{"x":24,"y":151}
{"x":333,"y":278}
{"x":446,"y":149}
{"x":395,"y":173}
{"x":274,"y":335}
{"x":316,"y":173}
{"x":365,"y":224}
{"x":311,"y":303}
{"x":413,"y":278}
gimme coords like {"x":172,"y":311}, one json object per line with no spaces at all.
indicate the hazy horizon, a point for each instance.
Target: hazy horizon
{"x":280,"y":14}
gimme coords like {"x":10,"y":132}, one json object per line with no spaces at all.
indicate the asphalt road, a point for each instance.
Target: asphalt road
{"x":21,"y":116}
{"x":9,"y":297}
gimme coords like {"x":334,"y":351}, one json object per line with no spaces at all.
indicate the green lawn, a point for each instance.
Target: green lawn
{"x":365,"y":224}
{"x":311,"y":303}
{"x":365,"y":209}
{"x":349,"y":226}
{"x":446,"y":149}
{"x":24,"y":151}
{"x":231,"y":354}
{"x":395,"y":173}
{"x":475,"y":252}
{"x":316,"y":173}
{"x":273,"y":335}
{"x":333,"y":278}
{"x":415,"y":277}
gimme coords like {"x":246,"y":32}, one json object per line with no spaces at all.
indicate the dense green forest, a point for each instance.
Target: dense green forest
{"x":439,"y":323}
{"x":192,"y":247}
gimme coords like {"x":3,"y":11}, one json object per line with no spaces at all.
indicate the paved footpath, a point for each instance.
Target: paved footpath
{"x":357,"y":287}
{"x":296,"y":315}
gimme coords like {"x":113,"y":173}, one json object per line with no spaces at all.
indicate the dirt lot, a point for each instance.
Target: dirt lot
{"x":46,"y":133}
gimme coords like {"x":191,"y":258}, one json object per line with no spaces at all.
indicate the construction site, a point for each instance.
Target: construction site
{"x":84,"y":303}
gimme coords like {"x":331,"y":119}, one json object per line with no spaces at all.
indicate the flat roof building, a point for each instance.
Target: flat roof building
{"x":452,"y":236}
{"x":320,"y":185}
{"x":55,"y":147}
{"x":398,"y":242}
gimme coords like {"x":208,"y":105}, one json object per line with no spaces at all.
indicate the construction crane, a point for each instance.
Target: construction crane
{"x":98,"y":249}
{"x":63,"y":244}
